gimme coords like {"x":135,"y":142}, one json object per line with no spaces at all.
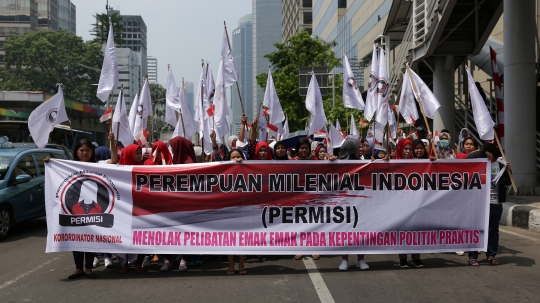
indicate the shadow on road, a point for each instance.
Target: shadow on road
{"x":32,"y":228}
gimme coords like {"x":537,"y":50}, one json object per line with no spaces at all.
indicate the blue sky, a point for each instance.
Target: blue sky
{"x":180,"y":32}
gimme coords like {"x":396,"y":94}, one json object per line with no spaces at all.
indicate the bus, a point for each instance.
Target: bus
{"x":17,"y":132}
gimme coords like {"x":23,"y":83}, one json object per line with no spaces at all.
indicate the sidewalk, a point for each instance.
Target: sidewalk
{"x":522,"y":212}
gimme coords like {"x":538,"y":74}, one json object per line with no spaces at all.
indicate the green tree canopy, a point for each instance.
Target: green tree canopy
{"x":303,"y":50}
{"x":100,"y":29}
{"x":40,"y":60}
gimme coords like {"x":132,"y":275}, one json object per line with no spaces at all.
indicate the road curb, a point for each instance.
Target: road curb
{"x":523,"y":216}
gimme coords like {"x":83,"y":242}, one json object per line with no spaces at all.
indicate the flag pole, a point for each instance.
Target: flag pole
{"x":201,"y":137}
{"x":182,"y":113}
{"x":504,"y":158}
{"x":118,"y":123}
{"x":237,"y":86}
{"x":421,"y":107}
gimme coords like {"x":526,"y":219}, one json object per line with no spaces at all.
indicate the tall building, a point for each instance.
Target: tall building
{"x":134,"y":36}
{"x":354,"y":26}
{"x":266,"y":31}
{"x":190,"y":95}
{"x":152,"y":69}
{"x":24,"y":16}
{"x":130,"y":74}
{"x":242,"y":47}
{"x":296,"y":15}
{"x":66,"y":16}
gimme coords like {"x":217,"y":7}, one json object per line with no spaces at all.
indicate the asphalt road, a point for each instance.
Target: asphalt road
{"x":27,"y":274}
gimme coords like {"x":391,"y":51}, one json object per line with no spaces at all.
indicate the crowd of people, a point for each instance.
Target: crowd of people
{"x":179,"y":150}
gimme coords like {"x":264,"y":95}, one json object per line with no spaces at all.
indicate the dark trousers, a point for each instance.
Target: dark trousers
{"x":495,"y":213}
{"x":80,"y":257}
{"x":413,"y":256}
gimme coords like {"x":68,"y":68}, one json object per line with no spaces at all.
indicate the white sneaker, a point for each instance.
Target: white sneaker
{"x":96,"y":262}
{"x":182,"y":266}
{"x":146,"y":262}
{"x":344,"y":265}
{"x":166,"y":266}
{"x":460,"y":253}
{"x":108,"y":263}
{"x":362,"y":265}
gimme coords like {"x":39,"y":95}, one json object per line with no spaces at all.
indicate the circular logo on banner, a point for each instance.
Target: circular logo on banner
{"x":87,"y":194}
{"x":51,"y":115}
{"x":351,"y":83}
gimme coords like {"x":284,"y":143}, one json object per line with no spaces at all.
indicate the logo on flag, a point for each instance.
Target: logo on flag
{"x":383,"y":87}
{"x":140,"y":110}
{"x":351,"y":83}
{"x":87,"y":199}
{"x":51,"y":115}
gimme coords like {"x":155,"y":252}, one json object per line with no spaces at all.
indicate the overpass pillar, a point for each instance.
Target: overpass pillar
{"x":443,"y":88}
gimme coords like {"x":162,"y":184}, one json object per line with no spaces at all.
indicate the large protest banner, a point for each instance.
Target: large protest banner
{"x":265,"y":207}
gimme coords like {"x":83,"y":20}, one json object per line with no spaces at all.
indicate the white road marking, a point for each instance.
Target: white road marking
{"x":17,"y":278}
{"x":520,"y":235}
{"x":324,"y":294}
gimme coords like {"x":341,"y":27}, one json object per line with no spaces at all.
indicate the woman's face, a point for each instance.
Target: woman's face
{"x":263,"y":153}
{"x":281,"y":151}
{"x":235,"y":156}
{"x":303,"y":151}
{"x":84,"y":153}
{"x":490,"y":156}
{"x":468,"y":146}
{"x":464,"y":134}
{"x":322,"y":154}
{"x":382,"y":155}
{"x":406,"y":153}
{"x":366,"y":148}
{"x":419,"y":150}
{"x":138,"y":155}
{"x":444,"y":137}
{"x":360,"y":151}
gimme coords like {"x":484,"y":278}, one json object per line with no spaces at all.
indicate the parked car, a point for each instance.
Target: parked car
{"x":22,"y":182}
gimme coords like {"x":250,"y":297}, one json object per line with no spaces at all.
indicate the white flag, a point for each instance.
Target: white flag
{"x":378,"y":136}
{"x":172,"y":102}
{"x":133,"y":114}
{"x":407,"y":106}
{"x":200,"y":110}
{"x":382,"y":89}
{"x":285,"y":129}
{"x":338,"y":127}
{"x":423,"y":93}
{"x":314,"y":104}
{"x":482,"y":118}
{"x":108,"y":80}
{"x":392,"y":123}
{"x":43,"y":119}
{"x":210,"y":85}
{"x":271,"y":101}
{"x":144,"y":110}
{"x":352,"y":98}
{"x":230,"y":71}
{"x":221,"y":110}
{"x":371,"y":98}
{"x":120,"y":122}
{"x":336,"y":139}
{"x":186,"y":118}
{"x":353,"y":131}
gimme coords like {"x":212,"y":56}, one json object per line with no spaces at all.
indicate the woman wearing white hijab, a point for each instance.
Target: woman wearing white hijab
{"x":463,"y":134}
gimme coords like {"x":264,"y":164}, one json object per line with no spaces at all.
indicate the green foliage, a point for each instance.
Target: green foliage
{"x":157,"y":93}
{"x":39,"y":60}
{"x":101,"y":28}
{"x":303,"y":50}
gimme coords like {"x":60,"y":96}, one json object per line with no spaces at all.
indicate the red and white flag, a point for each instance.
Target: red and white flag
{"x":210,"y":111}
{"x":498,"y":96}
{"x":271,"y":101}
{"x":107,"y":115}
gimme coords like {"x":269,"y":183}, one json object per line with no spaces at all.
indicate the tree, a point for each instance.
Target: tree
{"x":40,"y":60}
{"x":157,"y":93}
{"x":303,"y":50}
{"x":101,"y":28}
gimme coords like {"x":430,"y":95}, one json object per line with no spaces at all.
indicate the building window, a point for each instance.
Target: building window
{"x":342,"y":4}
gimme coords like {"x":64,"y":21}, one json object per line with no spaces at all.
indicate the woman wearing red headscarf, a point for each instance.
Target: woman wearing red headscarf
{"x":160,"y":155}
{"x":131,"y":155}
{"x":404,"y":150}
{"x":183,"y":152}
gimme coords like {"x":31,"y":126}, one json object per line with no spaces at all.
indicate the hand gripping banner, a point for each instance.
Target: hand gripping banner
{"x":265,"y":207}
